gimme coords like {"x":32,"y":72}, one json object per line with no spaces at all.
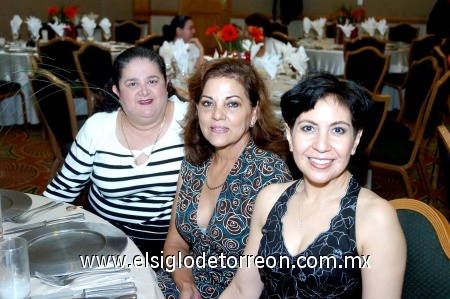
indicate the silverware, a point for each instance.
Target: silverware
{"x":111,"y":291}
{"x":73,"y":217}
{"x":25,"y":217}
{"x":69,"y":278}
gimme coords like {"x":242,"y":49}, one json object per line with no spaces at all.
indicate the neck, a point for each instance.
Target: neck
{"x":146,"y":125}
{"x":228,"y":155}
{"x":322,"y":192}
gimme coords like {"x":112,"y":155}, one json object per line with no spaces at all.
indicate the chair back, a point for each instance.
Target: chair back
{"x":365,"y":41}
{"x":368,"y":66}
{"x":427,"y":234}
{"x":93,"y":75}
{"x":422,"y":47}
{"x":127,"y":31}
{"x":445,"y":46}
{"x":152,"y":41}
{"x":284,"y":38}
{"x":440,"y":58}
{"x":443,"y":145}
{"x":56,"y":56}
{"x":403,"y":33}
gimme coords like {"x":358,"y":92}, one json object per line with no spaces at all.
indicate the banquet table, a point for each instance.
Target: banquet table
{"x":15,"y":65}
{"x":143,"y":277}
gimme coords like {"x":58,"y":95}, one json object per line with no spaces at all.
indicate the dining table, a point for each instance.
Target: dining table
{"x":143,"y":276}
{"x":15,"y":65}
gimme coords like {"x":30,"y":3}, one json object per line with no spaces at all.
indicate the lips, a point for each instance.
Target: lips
{"x":219,"y":129}
{"x":321,"y":161}
{"x":145,"y":102}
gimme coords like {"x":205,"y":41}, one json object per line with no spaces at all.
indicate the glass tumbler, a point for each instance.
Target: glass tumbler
{"x":14,"y":269}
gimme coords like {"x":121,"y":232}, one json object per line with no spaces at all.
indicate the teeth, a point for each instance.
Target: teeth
{"x":318,"y":161}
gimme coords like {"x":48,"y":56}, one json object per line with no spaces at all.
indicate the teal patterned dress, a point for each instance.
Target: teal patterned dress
{"x":227,"y":231}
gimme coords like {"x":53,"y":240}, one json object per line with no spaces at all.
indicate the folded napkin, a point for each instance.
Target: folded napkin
{"x":298,"y":60}
{"x":250,"y":46}
{"x":166,"y":52}
{"x":58,"y":28}
{"x":92,"y":16}
{"x":88,"y":25}
{"x":105,"y":24}
{"x":347,"y":29}
{"x":15,"y":23}
{"x":369,"y":25}
{"x":306,"y":25}
{"x":398,"y":68}
{"x":268,"y":62}
{"x":318,"y":25}
{"x":181,"y":55}
{"x":34,"y":24}
{"x":382,"y":27}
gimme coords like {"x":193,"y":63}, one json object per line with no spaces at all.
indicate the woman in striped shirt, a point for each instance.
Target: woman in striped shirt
{"x":129,"y":151}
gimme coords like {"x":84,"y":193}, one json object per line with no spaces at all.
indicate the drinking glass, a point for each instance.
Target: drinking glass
{"x":15,"y":36}
{"x":14,"y":269}
{"x":106,"y":36}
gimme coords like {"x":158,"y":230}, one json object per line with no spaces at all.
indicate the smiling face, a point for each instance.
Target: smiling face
{"x":225,"y":113}
{"x":187,"y":32}
{"x":322,"y":140}
{"x":142,"y":89}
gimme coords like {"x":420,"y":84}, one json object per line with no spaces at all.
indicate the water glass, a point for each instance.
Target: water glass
{"x":14,"y":269}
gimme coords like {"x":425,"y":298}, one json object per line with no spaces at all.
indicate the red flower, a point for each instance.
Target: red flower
{"x":256,"y":33}
{"x":229,"y":33}
{"x":71,"y":11}
{"x":212,"y":30}
{"x":52,"y":10}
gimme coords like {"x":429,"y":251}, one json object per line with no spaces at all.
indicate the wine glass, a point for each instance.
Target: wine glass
{"x":15,"y":37}
{"x":34,"y":37}
{"x":107,"y":36}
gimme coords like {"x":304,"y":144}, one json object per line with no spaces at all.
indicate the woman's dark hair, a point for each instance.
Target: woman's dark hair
{"x":169,"y":31}
{"x":259,"y":20}
{"x":107,"y":101}
{"x":267,"y":132}
{"x":304,"y":96}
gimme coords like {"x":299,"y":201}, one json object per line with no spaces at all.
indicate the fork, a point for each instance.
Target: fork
{"x":25,"y":217}
{"x":64,"y":280}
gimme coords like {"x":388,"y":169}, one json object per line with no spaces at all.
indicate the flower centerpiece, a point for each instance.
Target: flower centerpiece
{"x":65,"y":15}
{"x":347,"y":17}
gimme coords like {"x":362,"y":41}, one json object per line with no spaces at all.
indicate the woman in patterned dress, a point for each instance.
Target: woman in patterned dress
{"x":308,"y":233}
{"x":234,"y":147}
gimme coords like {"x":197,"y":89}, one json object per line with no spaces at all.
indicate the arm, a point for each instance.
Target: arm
{"x":382,"y":238}
{"x":196,"y":42}
{"x":183,"y":277}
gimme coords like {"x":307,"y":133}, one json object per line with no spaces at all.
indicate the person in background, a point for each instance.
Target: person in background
{"x":271,"y":45}
{"x":182,"y":27}
{"x":234,"y":147}
{"x":129,"y":151}
{"x":324,"y":214}
{"x":439,"y":19}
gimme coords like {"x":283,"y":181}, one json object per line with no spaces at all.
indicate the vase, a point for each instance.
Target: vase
{"x":245,"y":55}
{"x":70,"y":31}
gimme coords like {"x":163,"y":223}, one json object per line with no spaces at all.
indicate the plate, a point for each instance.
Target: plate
{"x":14,"y":203}
{"x":56,"y":249}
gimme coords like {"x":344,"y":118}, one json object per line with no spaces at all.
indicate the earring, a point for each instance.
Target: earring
{"x":252,"y":124}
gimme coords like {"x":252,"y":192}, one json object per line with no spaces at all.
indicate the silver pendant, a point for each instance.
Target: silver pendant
{"x":299,"y":223}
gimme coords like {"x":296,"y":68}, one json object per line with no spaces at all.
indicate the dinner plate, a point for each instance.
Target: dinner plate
{"x":56,"y":249}
{"x":14,"y":203}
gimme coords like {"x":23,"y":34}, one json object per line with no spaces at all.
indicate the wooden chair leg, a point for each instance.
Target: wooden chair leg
{"x":426,"y":180}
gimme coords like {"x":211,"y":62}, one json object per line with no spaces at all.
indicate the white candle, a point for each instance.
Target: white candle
{"x":44,"y":35}
{"x":14,"y":288}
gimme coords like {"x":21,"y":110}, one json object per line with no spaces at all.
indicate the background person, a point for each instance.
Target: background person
{"x":234,"y":146}
{"x":327,"y":213}
{"x":130,"y":151}
{"x":270,"y":45}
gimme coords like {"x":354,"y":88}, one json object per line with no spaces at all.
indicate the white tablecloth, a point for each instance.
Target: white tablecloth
{"x":144,"y":278}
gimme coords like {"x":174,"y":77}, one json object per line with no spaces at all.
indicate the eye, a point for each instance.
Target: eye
{"x":339,"y":130}
{"x":307,"y":128}
{"x":206,"y":103}
{"x":233,"y":104}
{"x":153,"y":81}
{"x":131,"y":83}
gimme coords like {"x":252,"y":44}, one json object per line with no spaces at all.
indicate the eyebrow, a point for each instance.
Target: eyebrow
{"x":226,"y":98}
{"x":136,"y":79}
{"x":332,"y":124}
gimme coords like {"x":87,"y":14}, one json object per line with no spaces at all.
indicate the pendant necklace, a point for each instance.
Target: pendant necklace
{"x":206,"y":180}
{"x":300,"y":220}
{"x":126,"y":139}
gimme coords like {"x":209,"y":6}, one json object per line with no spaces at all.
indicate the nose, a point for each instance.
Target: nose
{"x":218,"y":113}
{"x":322,"y":144}
{"x":143,"y":91}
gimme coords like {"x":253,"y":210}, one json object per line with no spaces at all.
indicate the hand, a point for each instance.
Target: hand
{"x":196,"y":42}
{"x":189,"y":292}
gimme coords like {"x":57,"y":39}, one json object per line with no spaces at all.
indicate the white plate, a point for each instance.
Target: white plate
{"x":14,"y":203}
{"x":56,"y":249}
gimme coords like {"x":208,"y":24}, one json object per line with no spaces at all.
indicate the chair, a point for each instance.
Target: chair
{"x":151,"y":41}
{"x":276,"y":26}
{"x":284,"y":38}
{"x":127,"y":31}
{"x":445,"y":46}
{"x":10,"y":89}
{"x":359,"y":162}
{"x":440,"y":58}
{"x":403,"y":33}
{"x":357,"y":43}
{"x":93,"y":75}
{"x":56,"y":106}
{"x":427,"y":234}
{"x":51,"y":34}
{"x":443,"y":145}
{"x":368,"y":66}
{"x":399,"y":154}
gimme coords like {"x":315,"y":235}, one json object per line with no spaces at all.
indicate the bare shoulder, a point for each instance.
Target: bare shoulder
{"x":372,"y":210}
{"x":268,"y":196}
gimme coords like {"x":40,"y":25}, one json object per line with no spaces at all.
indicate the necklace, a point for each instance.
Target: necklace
{"x":206,"y":181}
{"x":300,"y":221}
{"x":126,"y":139}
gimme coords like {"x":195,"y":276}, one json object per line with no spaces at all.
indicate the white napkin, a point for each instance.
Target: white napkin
{"x":398,"y":68}
{"x":382,"y":27}
{"x":166,"y":52}
{"x":88,"y":25}
{"x":253,"y":48}
{"x":181,"y":54}
{"x":92,"y":16}
{"x":318,"y":25}
{"x":370,"y":25}
{"x":34,"y":24}
{"x":306,"y":25}
{"x":269,"y":62}
{"x":299,"y":60}
{"x":58,"y":28}
{"x":105,"y":24}
{"x":347,"y":29}
{"x":15,"y":23}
